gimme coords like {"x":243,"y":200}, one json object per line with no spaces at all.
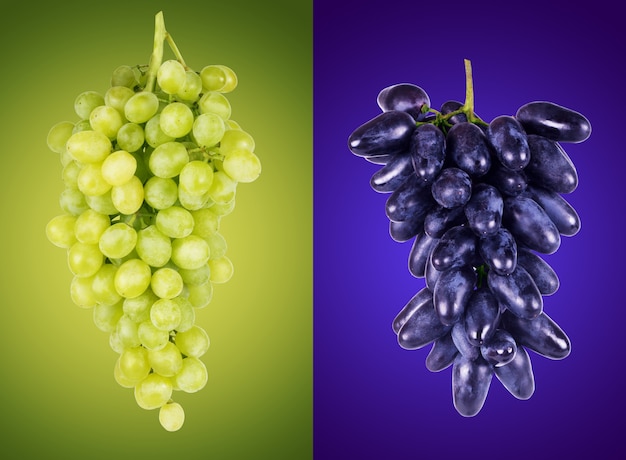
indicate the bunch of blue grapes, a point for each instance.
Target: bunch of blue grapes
{"x":482,"y":202}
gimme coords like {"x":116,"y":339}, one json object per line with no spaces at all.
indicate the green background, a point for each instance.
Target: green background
{"x":58,"y":397}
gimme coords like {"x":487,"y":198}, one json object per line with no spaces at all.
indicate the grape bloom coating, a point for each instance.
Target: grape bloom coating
{"x":150,"y":169}
{"x":481,"y":201}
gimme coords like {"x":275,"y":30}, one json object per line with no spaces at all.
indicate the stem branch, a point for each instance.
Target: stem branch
{"x":157,"y":51}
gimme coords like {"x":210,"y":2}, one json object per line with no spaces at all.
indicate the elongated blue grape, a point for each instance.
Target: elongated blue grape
{"x":507,"y":181}
{"x":482,"y":315}
{"x":452,"y":188}
{"x":452,"y":291}
{"x":542,"y":273}
{"x":420,"y":254}
{"x":431,"y":274}
{"x":499,"y":251}
{"x":410,"y":199}
{"x":550,"y":166}
{"x":395,"y":172}
{"x":405,"y":97}
{"x":471,"y":380}
{"x":541,"y":334}
{"x":484,"y":210}
{"x":517,"y":376}
{"x":560,"y":212}
{"x":417,"y":301}
{"x":442,"y":354}
{"x":508,"y":139}
{"x":387,"y":133}
{"x":500,"y":349}
{"x":457,"y":247}
{"x":467,"y":146}
{"x":554,"y":121}
{"x":530,"y":224}
{"x":462,"y":343}
{"x":428,"y":151}
{"x":517,"y":292}
{"x":439,"y":220}
{"x":421,"y":328}
{"x":407,"y":229}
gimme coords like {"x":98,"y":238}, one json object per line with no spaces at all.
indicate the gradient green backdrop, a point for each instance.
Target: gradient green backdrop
{"x":58,"y":398}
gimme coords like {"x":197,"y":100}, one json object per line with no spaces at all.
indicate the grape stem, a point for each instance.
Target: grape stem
{"x":468,"y":107}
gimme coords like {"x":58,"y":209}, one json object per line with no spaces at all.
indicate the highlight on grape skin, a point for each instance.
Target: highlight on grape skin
{"x":150,"y":168}
{"x":482,"y":203}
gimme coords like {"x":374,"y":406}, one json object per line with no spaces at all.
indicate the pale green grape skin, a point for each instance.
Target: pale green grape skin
{"x":101,"y":203}
{"x":132,"y":278}
{"x":217,"y":245}
{"x":196,"y":276}
{"x":90,"y":181}
{"x":187,"y":314}
{"x":160,"y":193}
{"x":130,"y":137}
{"x":82,"y":125}
{"x":214,"y":102}
{"x":134,"y":363}
{"x":171,"y":76}
{"x":153,"y":392}
{"x":242,"y":165}
{"x":192,"y":377}
{"x":84,"y":259}
{"x":123,"y":75}
{"x":190,"y":252}
{"x":128,"y":197}
{"x":117,"y":97}
{"x":232,"y":124}
{"x":81,"y":292}
{"x":118,"y":240}
{"x":218,"y":78}
{"x":192,"y":88}
{"x":224,"y":208}
{"x":208,"y":129}
{"x":70,"y":174}
{"x":151,"y":337}
{"x":166,"y":361}
{"x":141,"y":107}
{"x":60,"y":231}
{"x":168,"y":159}
{"x":85,"y":102}
{"x":106,"y":120}
{"x":200,"y":295}
{"x":175,"y":222}
{"x":103,"y":285}
{"x":90,"y":225}
{"x":192,"y":202}
{"x":119,"y":377}
{"x":221,"y":270}
{"x":89,"y":146}
{"x":193,"y":342}
{"x":119,"y":167}
{"x":223,"y":187}
{"x":171,"y":416}
{"x":126,"y":330}
{"x":58,"y":136}
{"x":165,"y":314}
{"x":236,"y":139}
{"x":105,"y":317}
{"x":166,"y":283}
{"x":138,"y":308}
{"x":206,"y":222}
{"x":176,"y":120}
{"x":154,"y":134}
{"x":196,"y":177}
{"x":153,"y":247}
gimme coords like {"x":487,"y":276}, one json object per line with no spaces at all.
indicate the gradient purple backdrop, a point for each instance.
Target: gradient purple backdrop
{"x":374,"y":400}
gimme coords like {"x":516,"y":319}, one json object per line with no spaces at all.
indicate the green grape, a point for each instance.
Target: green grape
{"x":70,"y":174}
{"x":200,"y":295}
{"x":206,"y":222}
{"x":153,"y":392}
{"x":195,"y":276}
{"x":141,"y":107}
{"x":90,"y":225}
{"x":120,"y":378}
{"x":165,"y":314}
{"x":138,"y":308}
{"x":193,"y":342}
{"x":187,"y":314}
{"x":236,"y":139}
{"x":103,"y":285}
{"x":154,"y":134}
{"x":224,"y":208}
{"x":171,"y":76}
{"x":166,"y":283}
{"x":175,"y":222}
{"x":85,"y":102}
{"x":221,"y":270}
{"x":176,"y":120}
{"x":106,"y":120}
{"x":128,"y":197}
{"x":101,"y":203}
{"x":192,"y":202}
{"x":105,"y":317}
{"x":117,"y":97}
{"x":166,"y":361}
{"x":214,"y":102}
{"x":119,"y":167}
{"x":171,"y":416}
{"x":168,"y":159}
{"x":130,"y":137}
{"x":90,"y":180}
{"x":134,"y":364}
{"x":118,"y":240}
{"x":190,"y":252}
{"x":84,"y":259}
{"x":123,"y":75}
{"x":126,"y":331}
{"x":82,"y":293}
{"x":153,"y":247}
{"x":58,"y":136}
{"x":132,"y":278}
{"x":218,"y":78}
{"x":192,"y":88}
{"x":160,"y":193}
{"x":208,"y":129}
{"x":217,"y":245}
{"x":242,"y":165}
{"x":82,"y":125}
{"x":223,"y":187}
{"x":60,"y":230}
{"x":196,"y":177}
{"x":151,"y":337}
{"x":89,"y":146}
{"x":193,"y":375}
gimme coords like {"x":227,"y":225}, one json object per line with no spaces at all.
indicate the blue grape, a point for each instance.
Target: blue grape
{"x":421,"y":328}
{"x":482,"y":315}
{"x":541,"y":334}
{"x":508,"y":139}
{"x":410,"y":199}
{"x":550,"y":166}
{"x":530,"y":225}
{"x":442,"y":354}
{"x":405,"y":97}
{"x":420,"y":254}
{"x":543,"y":275}
{"x":470,"y":384}
{"x":452,"y":291}
{"x":417,"y":301}
{"x":499,"y":251}
{"x":560,"y":212}
{"x":439,"y":220}
{"x":484,"y":210}
{"x":386,"y":134}
{"x":452,"y":106}
{"x":462,"y":343}
{"x":466,"y":145}
{"x":500,"y":349}
{"x":380,"y":159}
{"x":428,"y":151}
{"x":517,"y":376}
{"x":457,"y":247}
{"x":516,"y":292}
{"x":395,"y":172}
{"x":507,"y":182}
{"x":431,"y":274}
{"x":553,"y":121}
{"x":406,"y":229}
{"x":452,"y":188}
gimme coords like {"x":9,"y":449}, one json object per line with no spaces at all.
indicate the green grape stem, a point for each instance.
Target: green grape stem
{"x":156,"y":58}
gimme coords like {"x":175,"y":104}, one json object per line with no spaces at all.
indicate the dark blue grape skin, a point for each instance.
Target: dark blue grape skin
{"x":391,"y":176}
{"x":442,"y":354}
{"x":386,"y":134}
{"x":508,"y":182}
{"x":452,"y":188}
{"x":380,"y":159}
{"x":466,"y":145}
{"x":418,"y":301}
{"x":484,"y":210}
{"x":541,"y":335}
{"x":550,"y":166}
{"x":431,"y":274}
{"x":517,"y":376}
{"x":544,"y":276}
{"x":516,"y":292}
{"x":499,"y":251}
{"x":456,"y":247}
{"x":420,"y":254}
{"x":482,"y":314}
{"x":462,"y":343}
{"x":405,"y":97}
{"x":410,"y":199}
{"x":553,"y":121}
{"x":500,"y":349}
{"x":439,"y":220}
{"x":421,"y":328}
{"x":470,"y":384}
{"x":428,"y":151}
{"x":452,"y":291}
{"x":530,"y":224}
{"x":452,"y":106}
{"x":560,"y":212}
{"x":402,"y":232}
{"x":508,"y":139}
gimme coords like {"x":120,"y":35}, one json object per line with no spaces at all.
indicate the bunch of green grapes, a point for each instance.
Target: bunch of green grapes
{"x":150,"y":168}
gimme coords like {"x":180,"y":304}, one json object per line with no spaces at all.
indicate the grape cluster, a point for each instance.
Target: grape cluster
{"x":150,"y":168}
{"x":482,"y":202}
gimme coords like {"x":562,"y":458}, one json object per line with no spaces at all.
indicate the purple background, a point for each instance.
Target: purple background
{"x":374,"y":400}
